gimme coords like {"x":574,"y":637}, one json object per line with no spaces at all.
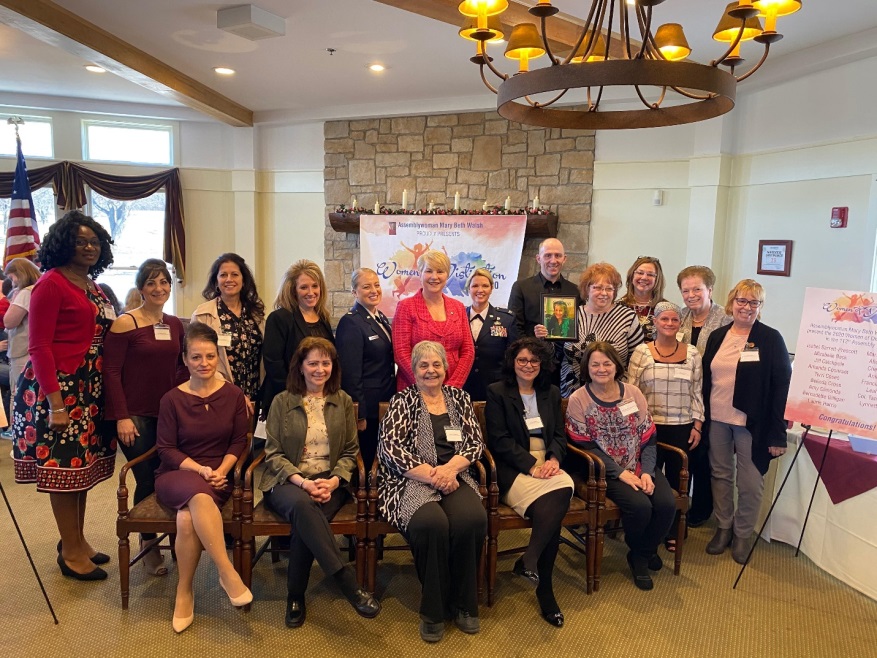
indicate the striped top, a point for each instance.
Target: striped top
{"x":674,"y":391}
{"x":618,"y":326}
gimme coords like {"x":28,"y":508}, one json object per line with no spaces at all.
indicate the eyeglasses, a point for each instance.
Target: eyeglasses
{"x":521,"y":361}
{"x":603,"y":288}
{"x":651,"y":258}
{"x":650,"y":275}
{"x":751,"y":303}
{"x":82,"y":243}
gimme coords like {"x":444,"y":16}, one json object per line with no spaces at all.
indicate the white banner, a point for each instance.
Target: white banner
{"x":834,"y":380}
{"x":391,"y":245}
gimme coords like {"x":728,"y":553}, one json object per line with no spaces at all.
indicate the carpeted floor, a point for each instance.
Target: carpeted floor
{"x":784,"y":606}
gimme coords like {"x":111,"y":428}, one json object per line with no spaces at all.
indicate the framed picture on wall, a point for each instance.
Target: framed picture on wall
{"x":775,"y":257}
{"x":559,"y":316}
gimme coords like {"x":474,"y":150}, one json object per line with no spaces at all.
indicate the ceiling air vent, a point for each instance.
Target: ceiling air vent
{"x":250,"y":22}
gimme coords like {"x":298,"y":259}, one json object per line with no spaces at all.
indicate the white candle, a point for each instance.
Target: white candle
{"x":353,"y":203}
{"x":377,"y":207}
{"x":404,"y":199}
{"x":508,"y":202}
{"x":457,"y":201}
{"x":536,"y":201}
{"x":484,"y":207}
{"x":431,"y":206}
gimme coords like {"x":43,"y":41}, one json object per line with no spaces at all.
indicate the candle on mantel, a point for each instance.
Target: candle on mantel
{"x":508,"y":203}
{"x":431,"y":206}
{"x":404,"y":199}
{"x":377,"y":207}
{"x":353,"y":203}
{"x":457,"y":201}
{"x":536,"y":202}
{"x":484,"y":207}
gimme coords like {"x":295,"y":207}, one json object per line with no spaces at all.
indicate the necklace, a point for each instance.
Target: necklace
{"x":666,"y":356}
{"x":77,"y":279}
{"x":696,"y":321}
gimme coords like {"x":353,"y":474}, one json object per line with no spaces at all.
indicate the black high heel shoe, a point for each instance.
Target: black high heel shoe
{"x":553,"y":618}
{"x":97,"y":558}
{"x":520,"y":570}
{"x":95,"y":574}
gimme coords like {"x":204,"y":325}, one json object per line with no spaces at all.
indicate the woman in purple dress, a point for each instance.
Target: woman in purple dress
{"x":202,"y":432}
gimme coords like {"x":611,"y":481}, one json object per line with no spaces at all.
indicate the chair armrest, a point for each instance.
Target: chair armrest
{"x":683,"y":470}
{"x":137,"y":460}
{"x":248,"y":476}
{"x":596,"y":467}
{"x":361,"y":481}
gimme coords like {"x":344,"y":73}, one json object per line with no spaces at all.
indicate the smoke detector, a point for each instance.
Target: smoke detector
{"x":250,"y":22}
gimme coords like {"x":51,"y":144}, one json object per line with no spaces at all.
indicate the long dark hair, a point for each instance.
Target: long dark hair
{"x":249,"y":295}
{"x":538,"y":348}
{"x":59,"y":244}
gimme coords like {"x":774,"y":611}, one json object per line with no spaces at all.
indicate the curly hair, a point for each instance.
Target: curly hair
{"x":657,"y":292}
{"x":249,"y":295}
{"x":287,"y":296}
{"x":596,"y":273}
{"x":538,"y":348}
{"x":59,"y":244}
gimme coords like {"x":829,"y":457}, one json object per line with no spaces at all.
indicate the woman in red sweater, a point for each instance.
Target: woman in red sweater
{"x":431,"y":315}
{"x":58,"y":409}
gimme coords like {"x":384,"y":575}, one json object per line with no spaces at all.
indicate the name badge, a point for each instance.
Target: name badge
{"x":373,"y":337}
{"x":749,"y":356}
{"x":453,"y":434}
{"x":628,"y":407}
{"x":680,"y":336}
{"x":534,"y":423}
{"x":682,"y":373}
{"x":161,"y":331}
{"x":109,"y":312}
{"x":224,"y":339}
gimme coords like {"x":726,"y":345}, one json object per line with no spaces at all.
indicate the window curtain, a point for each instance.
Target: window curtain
{"x":69,"y":180}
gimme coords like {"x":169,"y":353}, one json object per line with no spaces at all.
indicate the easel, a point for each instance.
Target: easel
{"x":779,"y":493}
{"x":16,"y":122}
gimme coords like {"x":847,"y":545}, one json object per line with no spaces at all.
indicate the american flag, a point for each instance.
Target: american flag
{"x":22,"y":230}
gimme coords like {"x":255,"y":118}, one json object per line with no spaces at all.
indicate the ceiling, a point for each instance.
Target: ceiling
{"x":295,"y":78}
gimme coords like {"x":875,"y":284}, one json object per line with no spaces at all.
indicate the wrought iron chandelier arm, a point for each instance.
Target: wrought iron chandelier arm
{"x":656,"y":104}
{"x":485,"y":81}
{"x":499,"y":74}
{"x":733,"y":45}
{"x":547,"y":46}
{"x":645,"y":31}
{"x":757,"y":66}
{"x":551,"y":102}
{"x":585,"y":29}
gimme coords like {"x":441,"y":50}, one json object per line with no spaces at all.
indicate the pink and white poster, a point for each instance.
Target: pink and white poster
{"x":834,"y":379}
{"x":391,"y":245}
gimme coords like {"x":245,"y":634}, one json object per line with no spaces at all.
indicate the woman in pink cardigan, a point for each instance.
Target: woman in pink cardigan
{"x":432,"y":315}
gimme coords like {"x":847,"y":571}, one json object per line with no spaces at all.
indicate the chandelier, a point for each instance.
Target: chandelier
{"x":672,"y":89}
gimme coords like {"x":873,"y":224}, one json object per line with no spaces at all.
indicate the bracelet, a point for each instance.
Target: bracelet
{"x":696,"y":430}
{"x":301,"y":484}
{"x":58,"y":411}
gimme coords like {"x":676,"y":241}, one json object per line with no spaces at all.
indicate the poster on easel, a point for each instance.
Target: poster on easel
{"x":392,"y":244}
{"x":834,"y":379}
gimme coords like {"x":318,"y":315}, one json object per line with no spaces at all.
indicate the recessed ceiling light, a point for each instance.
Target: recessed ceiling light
{"x":94,"y":68}
{"x":222,"y":70}
{"x":377,"y":68}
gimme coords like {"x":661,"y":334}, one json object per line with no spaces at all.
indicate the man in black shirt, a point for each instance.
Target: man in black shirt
{"x":525,"y":300}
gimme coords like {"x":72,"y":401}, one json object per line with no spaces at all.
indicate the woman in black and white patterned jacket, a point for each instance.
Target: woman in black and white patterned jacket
{"x":428,"y":440}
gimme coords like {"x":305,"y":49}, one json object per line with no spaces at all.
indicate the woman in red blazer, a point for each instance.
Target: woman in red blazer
{"x":431,"y":315}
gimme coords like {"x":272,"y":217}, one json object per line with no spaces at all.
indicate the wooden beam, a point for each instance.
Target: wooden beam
{"x":563,"y":32}
{"x":56,"y":26}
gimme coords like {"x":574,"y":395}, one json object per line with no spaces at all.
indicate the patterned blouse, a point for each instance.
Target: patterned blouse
{"x":674,"y":391}
{"x":407,"y":441}
{"x":245,"y":352}
{"x":623,"y":442}
{"x":618,"y":326}
{"x":315,"y":458}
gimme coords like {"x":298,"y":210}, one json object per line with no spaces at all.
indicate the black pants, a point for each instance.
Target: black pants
{"x":311,"y":536}
{"x":144,"y":472}
{"x":677,"y":436}
{"x":700,"y":507}
{"x":645,"y":519}
{"x":446,"y":539}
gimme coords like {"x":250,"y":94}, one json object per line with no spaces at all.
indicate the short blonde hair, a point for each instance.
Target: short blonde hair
{"x":596,"y":272}
{"x":479,"y":272}
{"x":746,"y":286}
{"x":287,"y":297}
{"x":434,"y":258}
{"x":702,"y":272}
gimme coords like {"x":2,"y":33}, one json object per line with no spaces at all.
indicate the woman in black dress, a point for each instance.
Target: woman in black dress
{"x":202,"y":432}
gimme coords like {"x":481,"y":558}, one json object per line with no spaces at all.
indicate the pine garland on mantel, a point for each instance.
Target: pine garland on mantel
{"x":492,"y":210}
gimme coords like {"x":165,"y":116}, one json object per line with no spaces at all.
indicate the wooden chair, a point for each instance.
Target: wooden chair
{"x":260,"y":521}
{"x":377,"y":527}
{"x":608,"y":512}
{"x":149,"y":515}
{"x":502,"y":517}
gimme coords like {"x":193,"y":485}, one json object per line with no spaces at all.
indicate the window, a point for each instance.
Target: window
{"x":137,"y":229}
{"x":44,"y":207}
{"x":127,"y":142}
{"x":36,"y":137}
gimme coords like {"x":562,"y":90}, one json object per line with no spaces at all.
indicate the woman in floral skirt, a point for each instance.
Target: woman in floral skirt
{"x":58,"y":409}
